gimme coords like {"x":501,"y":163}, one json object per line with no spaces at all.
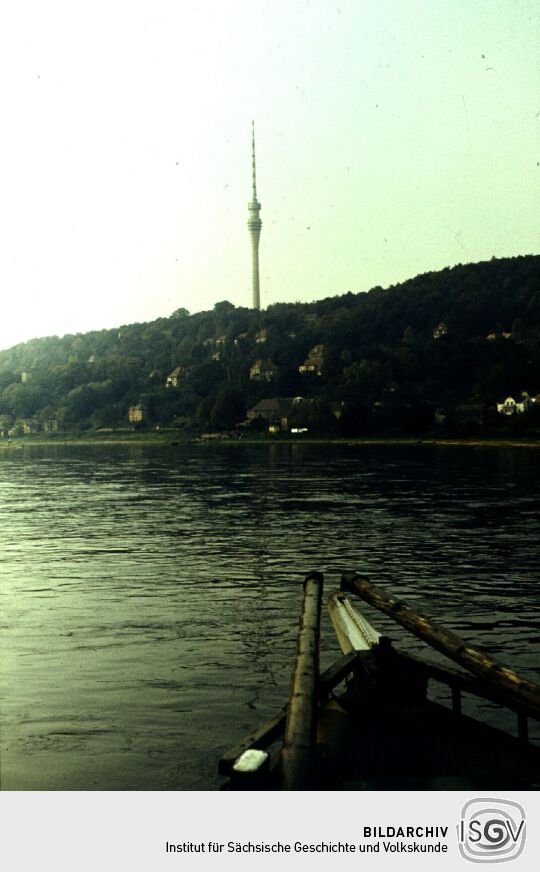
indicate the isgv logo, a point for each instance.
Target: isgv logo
{"x":491,"y":830}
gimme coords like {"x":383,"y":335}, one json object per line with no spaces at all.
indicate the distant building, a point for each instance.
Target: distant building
{"x":337,"y":409}
{"x":221,"y":341}
{"x":24,"y":427}
{"x":50,"y":425}
{"x":514,"y":407}
{"x":276,"y":411}
{"x":174,"y":377}
{"x":440,"y":330}
{"x":314,"y":361}
{"x":504,"y":335}
{"x":263,"y":371}
{"x":5,"y":423}
{"x":137,"y":413}
{"x":261,"y":336}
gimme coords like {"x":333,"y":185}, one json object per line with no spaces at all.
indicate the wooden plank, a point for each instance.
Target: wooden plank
{"x":515,"y":688}
{"x":462,"y":681}
{"x":353,"y":632}
{"x":267,"y":732}
{"x":336,"y":673}
{"x":298,"y":755}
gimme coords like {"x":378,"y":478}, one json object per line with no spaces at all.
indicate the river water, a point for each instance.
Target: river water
{"x":150,"y":595}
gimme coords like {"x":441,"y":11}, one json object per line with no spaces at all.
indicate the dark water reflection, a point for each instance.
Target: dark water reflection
{"x":150,"y":596}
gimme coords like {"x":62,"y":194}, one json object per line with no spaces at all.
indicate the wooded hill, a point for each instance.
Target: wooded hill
{"x":438,"y":350}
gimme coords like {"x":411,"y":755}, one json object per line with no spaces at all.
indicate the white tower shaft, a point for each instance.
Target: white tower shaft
{"x":254,"y":226}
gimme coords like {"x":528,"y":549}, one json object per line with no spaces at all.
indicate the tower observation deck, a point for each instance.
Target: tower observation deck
{"x":254,"y":226}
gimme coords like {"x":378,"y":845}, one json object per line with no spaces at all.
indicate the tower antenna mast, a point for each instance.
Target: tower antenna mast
{"x":254,"y":226}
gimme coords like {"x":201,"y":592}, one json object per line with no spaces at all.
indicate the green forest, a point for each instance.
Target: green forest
{"x":432,"y":354}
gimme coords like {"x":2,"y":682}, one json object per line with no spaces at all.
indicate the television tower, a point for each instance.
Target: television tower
{"x":254,"y":226}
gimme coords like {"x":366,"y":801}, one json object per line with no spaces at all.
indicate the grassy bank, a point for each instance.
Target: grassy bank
{"x":389,"y":440}
{"x":172,"y":438}
{"x":112,"y":438}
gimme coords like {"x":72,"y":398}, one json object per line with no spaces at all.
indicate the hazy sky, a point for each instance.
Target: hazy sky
{"x":393,"y":137}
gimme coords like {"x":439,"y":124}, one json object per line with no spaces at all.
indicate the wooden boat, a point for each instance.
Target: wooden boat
{"x":368,"y":722}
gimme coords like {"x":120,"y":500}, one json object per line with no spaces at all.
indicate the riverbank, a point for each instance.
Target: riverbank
{"x":474,"y":443}
{"x":174,"y":439}
{"x":94,"y":439}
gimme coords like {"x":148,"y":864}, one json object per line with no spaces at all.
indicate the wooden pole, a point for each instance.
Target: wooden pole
{"x":511,"y":685}
{"x":298,"y":755}
{"x":268,"y":732}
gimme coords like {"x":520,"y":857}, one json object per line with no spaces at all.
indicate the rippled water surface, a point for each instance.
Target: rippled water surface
{"x":150,"y":596}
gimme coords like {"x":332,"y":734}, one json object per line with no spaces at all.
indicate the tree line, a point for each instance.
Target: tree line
{"x":438,"y":350}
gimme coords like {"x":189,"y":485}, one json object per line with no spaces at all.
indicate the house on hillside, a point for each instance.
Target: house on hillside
{"x":440,"y":330}
{"x":138,"y":413}
{"x":504,"y":335}
{"x":337,"y":409}
{"x":50,"y":425}
{"x":261,"y":336}
{"x":263,"y":371}
{"x":510,"y":406}
{"x":174,"y":377}
{"x":314,"y":361}
{"x":276,"y":411}
{"x":5,"y":423}
{"x":24,"y":427}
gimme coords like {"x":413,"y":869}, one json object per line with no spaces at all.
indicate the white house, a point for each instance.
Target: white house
{"x":515,"y":407}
